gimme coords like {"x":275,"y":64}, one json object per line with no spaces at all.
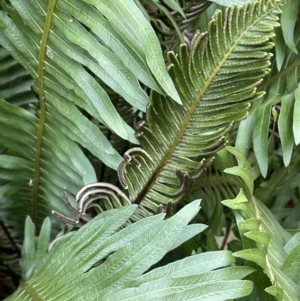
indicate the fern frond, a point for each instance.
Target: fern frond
{"x":265,"y":243}
{"x":282,"y":86}
{"x":28,"y":188}
{"x":100,"y":261}
{"x":216,"y":81}
{"x":69,"y":50}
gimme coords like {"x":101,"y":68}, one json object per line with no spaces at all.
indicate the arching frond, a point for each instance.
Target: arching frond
{"x":29,"y":189}
{"x":102,"y":261}
{"x":69,"y":51}
{"x":217,"y":80}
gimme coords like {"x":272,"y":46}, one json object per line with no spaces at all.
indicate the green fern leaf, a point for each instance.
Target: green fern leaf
{"x":281,"y":88}
{"x":296,"y":115}
{"x":285,"y":127}
{"x":26,"y":170}
{"x":216,"y":81}
{"x":69,"y":50}
{"x":268,"y":245}
{"x":103,"y":261}
{"x":32,"y":252}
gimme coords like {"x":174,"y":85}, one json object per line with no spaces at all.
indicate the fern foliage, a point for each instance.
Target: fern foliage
{"x":217,"y":80}
{"x":213,"y":188}
{"x":102,"y":262}
{"x":9,"y":259}
{"x":70,"y":51}
{"x":15,"y":81}
{"x":273,"y":250}
{"x":75,"y":80}
{"x":175,"y":22}
{"x":278,"y":111}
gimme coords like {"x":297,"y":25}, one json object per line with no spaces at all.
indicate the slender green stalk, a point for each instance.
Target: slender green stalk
{"x":42,"y":102}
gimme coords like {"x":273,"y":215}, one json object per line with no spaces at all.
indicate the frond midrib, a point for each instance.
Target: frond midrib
{"x":42,"y":103}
